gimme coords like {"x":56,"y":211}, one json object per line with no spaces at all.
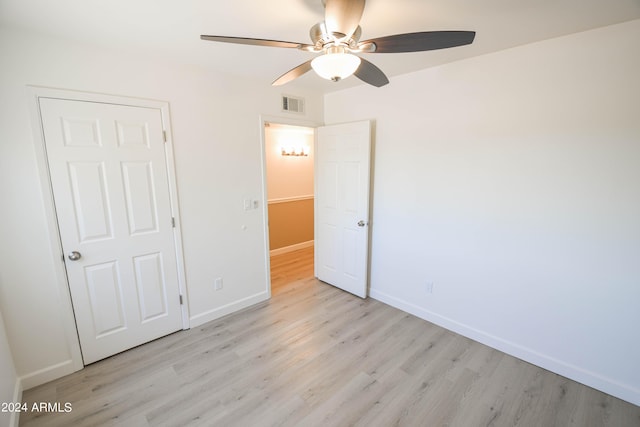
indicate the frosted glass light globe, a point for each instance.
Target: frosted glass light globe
{"x":335,"y":66}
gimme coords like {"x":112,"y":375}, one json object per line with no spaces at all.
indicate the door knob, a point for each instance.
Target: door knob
{"x":361,"y":223}
{"x":74,"y":256}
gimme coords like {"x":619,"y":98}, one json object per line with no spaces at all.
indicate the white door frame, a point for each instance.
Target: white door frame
{"x":35,"y":93}
{"x":290,"y":121}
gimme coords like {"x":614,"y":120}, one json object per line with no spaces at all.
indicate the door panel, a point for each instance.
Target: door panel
{"x":137,"y":178}
{"x":110,"y":183}
{"x":131,"y":134}
{"x":90,"y":200}
{"x":328,"y":261}
{"x":352,"y":187}
{"x":105,"y":295}
{"x":351,"y":251}
{"x":151,"y":287}
{"x":328,"y":187}
{"x":80,"y":132}
{"x":343,"y":156}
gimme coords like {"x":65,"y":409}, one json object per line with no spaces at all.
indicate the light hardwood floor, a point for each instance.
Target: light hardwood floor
{"x":316,"y":356}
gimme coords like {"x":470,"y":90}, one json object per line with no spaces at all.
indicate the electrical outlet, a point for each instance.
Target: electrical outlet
{"x":217,"y":283}
{"x":428,"y":288}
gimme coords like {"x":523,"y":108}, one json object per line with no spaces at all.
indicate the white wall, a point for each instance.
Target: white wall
{"x":288,"y":176}
{"x":216,"y":133}
{"x":512,"y":182}
{"x":10,"y":390}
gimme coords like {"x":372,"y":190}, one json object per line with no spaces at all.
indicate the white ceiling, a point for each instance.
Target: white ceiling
{"x":171,"y":29}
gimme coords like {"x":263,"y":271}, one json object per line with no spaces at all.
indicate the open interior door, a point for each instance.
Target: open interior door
{"x":343,"y":164}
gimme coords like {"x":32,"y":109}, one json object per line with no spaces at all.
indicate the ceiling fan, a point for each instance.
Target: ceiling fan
{"x":338,"y":39}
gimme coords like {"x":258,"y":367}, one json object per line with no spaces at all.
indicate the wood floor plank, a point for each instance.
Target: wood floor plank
{"x":317,"y":356}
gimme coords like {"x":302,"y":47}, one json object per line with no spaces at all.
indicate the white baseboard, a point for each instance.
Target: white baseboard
{"x":291,"y":248}
{"x":59,"y":370}
{"x":47,"y":374}
{"x":216,"y":313}
{"x":589,"y":378}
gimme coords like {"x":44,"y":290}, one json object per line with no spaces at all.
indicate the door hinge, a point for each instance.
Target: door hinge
{"x":181,"y":300}
{"x":173,"y":222}
{"x":164,"y":135}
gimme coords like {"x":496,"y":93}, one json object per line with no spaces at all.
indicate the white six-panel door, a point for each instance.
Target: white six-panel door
{"x":109,"y":178}
{"x":343,"y":158}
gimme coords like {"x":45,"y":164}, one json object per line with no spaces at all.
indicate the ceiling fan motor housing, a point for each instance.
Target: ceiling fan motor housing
{"x":321,"y":37}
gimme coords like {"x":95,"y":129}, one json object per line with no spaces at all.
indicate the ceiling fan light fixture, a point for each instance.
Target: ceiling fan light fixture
{"x":335,"y":66}
{"x":337,"y":38}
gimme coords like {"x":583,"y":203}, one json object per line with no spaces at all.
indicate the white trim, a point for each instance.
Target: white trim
{"x":175,"y":213}
{"x":589,"y":378}
{"x":47,"y":374}
{"x":75,"y":95}
{"x":290,"y":199}
{"x":14,"y":420}
{"x":315,"y":200}
{"x":219,"y":312}
{"x":66,"y":307}
{"x":35,"y":93}
{"x":291,"y":248}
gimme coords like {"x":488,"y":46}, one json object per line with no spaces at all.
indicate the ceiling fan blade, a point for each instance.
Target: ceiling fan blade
{"x":369,"y":73}
{"x":418,"y":42}
{"x":292,"y":74}
{"x":256,"y":42}
{"x":343,"y":16}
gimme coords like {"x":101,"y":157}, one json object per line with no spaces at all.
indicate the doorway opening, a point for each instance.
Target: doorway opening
{"x":289,"y":163}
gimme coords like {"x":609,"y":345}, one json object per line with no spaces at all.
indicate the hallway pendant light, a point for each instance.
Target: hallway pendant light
{"x":336,"y":64}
